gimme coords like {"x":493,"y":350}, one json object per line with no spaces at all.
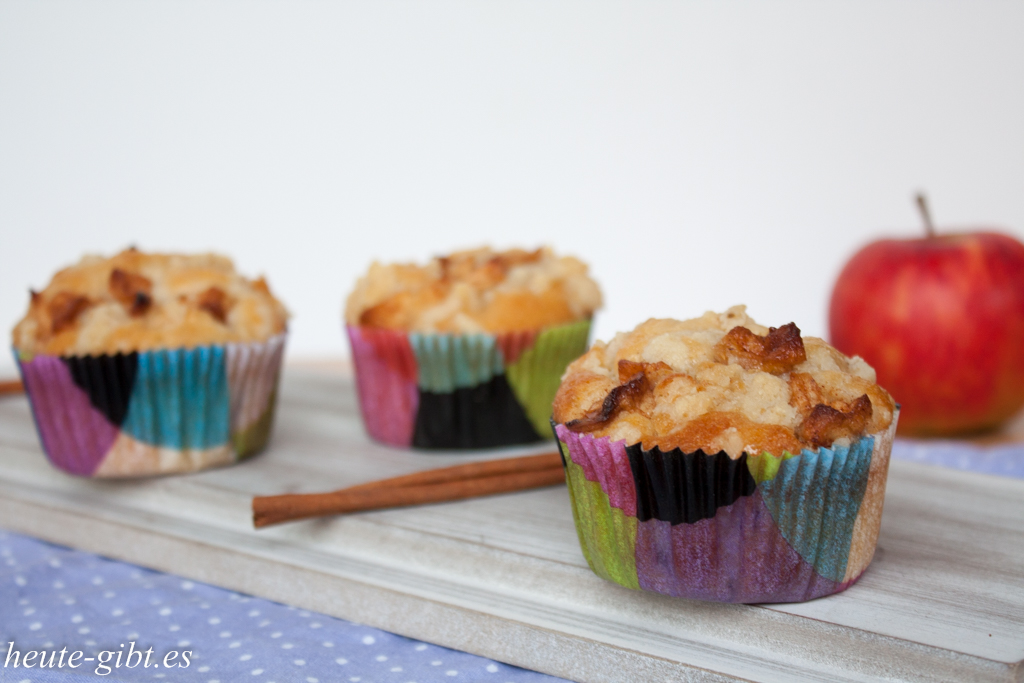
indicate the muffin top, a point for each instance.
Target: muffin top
{"x":722,"y":382}
{"x":475,"y":291}
{"x":137,"y":302}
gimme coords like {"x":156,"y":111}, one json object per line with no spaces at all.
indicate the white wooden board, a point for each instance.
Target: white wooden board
{"x":504,"y":577}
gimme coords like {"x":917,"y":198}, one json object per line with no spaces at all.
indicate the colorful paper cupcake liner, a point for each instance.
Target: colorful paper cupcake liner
{"x":447,"y":391}
{"x":751,"y":529}
{"x":153,"y":412}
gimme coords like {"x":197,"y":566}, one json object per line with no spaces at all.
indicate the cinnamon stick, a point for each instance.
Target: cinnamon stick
{"x":269,"y":510}
{"x":13,"y":386}
{"x":472,"y":470}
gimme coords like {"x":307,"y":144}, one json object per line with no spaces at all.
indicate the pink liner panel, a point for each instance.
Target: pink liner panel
{"x":513,"y":344}
{"x":75,"y":436}
{"x":603,"y":461}
{"x":386,"y":374}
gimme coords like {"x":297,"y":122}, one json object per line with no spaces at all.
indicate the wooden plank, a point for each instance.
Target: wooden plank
{"x":504,"y":577}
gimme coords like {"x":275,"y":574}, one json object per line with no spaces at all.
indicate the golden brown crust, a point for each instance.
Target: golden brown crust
{"x":475,"y":291}
{"x":779,"y":351}
{"x":64,"y":309}
{"x":135,"y":301}
{"x":216,"y":302}
{"x":132,"y":290}
{"x":721,"y":382}
{"x":825,"y":424}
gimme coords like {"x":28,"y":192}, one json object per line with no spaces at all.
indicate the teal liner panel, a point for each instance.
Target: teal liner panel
{"x":820,"y":491}
{"x":180,"y":399}
{"x":448,"y":362}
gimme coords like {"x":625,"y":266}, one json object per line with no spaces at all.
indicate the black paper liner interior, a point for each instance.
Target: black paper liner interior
{"x":484,"y":416}
{"x":679,"y":487}
{"x":107,"y":379}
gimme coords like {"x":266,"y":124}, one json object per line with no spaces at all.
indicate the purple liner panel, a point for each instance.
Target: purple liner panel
{"x":75,"y":435}
{"x":739,"y":555}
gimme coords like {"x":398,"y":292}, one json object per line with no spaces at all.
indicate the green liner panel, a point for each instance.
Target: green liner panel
{"x":535,"y":376}
{"x":607,"y":535}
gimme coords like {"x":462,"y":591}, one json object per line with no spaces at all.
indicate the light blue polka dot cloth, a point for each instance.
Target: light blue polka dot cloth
{"x":1006,"y":460}
{"x":53,"y":597}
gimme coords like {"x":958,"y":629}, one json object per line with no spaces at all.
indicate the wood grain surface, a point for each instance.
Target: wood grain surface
{"x":504,"y":576}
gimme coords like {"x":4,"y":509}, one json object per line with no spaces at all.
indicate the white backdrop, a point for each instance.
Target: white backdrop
{"x":696,"y":154}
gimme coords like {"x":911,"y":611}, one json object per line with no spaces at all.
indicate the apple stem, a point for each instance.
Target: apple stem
{"x":926,"y":215}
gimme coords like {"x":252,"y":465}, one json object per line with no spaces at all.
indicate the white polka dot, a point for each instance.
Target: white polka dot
{"x":187,"y":585}
{"x":328,"y":643}
{"x":341,"y":660}
{"x":265,"y":622}
{"x":165,"y":611}
{"x":300,"y":662}
{"x":213,"y":680}
{"x":159,"y":675}
{"x":69,"y":601}
{"x":184,"y":643}
{"x":254,"y":613}
{"x":314,"y":625}
{"x":20,"y":580}
{"x":382,"y":658}
{"x":132,"y":636}
{"x":310,"y":679}
{"x":214,"y":620}
{"x":116,"y":613}
{"x":225,"y":634}
{"x":35,"y":627}
{"x":204,"y":605}
{"x":287,"y":646}
{"x":257,"y":672}
{"x":173,"y":628}
{"x":451,"y":672}
{"x":369,"y":640}
{"x":436,"y":662}
{"x":77,"y":619}
{"x":109,"y":594}
{"x":58,"y":585}
{"x":421,"y":647}
{"x":396,"y":669}
{"x":276,"y":634}
{"x":29,"y":612}
{"x":54,"y":562}
{"x":203,"y":669}
{"x":493,"y":668}
{"x":245,"y":658}
{"x":83,"y":630}
{"x":97,"y":580}
{"x":235,"y":644}
{"x":355,"y":679}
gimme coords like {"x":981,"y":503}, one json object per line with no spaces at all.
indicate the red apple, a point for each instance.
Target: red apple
{"x":941,"y":319}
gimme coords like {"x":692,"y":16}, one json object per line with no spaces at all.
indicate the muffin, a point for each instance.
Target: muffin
{"x":144,"y":364}
{"x":467,"y":350}
{"x":718,"y":459}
